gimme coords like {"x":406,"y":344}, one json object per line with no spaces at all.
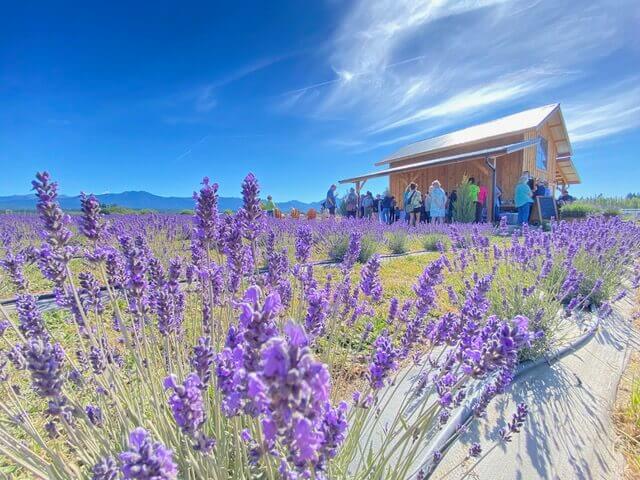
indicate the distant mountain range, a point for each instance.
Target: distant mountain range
{"x":141,"y":200}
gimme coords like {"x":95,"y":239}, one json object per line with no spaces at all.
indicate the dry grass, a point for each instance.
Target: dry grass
{"x":627,"y":411}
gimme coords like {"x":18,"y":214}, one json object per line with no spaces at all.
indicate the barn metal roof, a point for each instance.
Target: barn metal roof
{"x":488,"y":152}
{"x":510,"y":124}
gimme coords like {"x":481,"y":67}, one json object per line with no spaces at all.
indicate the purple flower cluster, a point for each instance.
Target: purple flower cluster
{"x":187,"y":406}
{"x":304,"y":243}
{"x":370,"y":283}
{"x":202,"y":360}
{"x":291,"y":390}
{"x":516,"y":423}
{"x":206,"y":215}
{"x":383,"y":361}
{"x":91,"y":224}
{"x":146,"y":459}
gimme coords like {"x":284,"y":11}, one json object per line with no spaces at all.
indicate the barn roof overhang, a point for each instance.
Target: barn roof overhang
{"x":463,"y":157}
{"x":566,"y":172}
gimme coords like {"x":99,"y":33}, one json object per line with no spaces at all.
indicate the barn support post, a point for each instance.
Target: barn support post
{"x":359,"y":184}
{"x":492,"y":192}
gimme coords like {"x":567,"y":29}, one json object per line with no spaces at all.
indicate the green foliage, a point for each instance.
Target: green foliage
{"x":578,"y":210}
{"x":116,"y":209}
{"x":120,"y":210}
{"x":430,"y":242}
{"x":398,"y":242}
{"x":464,"y":209}
{"x":186,"y":212}
{"x":368,"y":247}
{"x":631,"y":200}
{"x":612,"y":212}
{"x":342,"y":207}
{"x":337,"y":246}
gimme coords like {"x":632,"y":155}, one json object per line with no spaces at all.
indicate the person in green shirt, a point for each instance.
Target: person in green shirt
{"x":269,"y":206}
{"x":523,"y":198}
{"x":474,"y":192}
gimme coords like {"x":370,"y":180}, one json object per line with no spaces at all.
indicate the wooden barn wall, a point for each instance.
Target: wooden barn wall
{"x":508,"y":170}
{"x":530,"y":156}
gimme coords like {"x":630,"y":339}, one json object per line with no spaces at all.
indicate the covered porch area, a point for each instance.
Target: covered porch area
{"x":501,"y":166}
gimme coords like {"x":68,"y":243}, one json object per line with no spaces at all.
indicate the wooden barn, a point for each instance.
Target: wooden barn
{"x":496,"y":152}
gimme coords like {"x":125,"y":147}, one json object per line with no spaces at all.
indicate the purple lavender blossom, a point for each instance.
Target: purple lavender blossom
{"x":44,"y":362}
{"x":147,"y":460}
{"x":14,"y":265}
{"x":55,"y":253}
{"x":383,"y":361}
{"x":425,"y":287}
{"x":202,"y":359}
{"x":30,"y":321}
{"x":206,"y":215}
{"x":91,"y":224}
{"x":516,"y":423}
{"x":251,"y":213}
{"x":105,"y":469}
{"x":186,"y":402}
{"x":304,"y":242}
{"x":317,"y":312}
{"x":94,"y":413}
{"x":97,"y":359}
{"x":475,"y":450}
{"x":370,"y":283}
{"x":90,"y":293}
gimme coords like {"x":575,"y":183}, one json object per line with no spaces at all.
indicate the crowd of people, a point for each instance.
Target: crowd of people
{"x":435,"y":205}
{"x":527,"y":189}
{"x":438,"y":206}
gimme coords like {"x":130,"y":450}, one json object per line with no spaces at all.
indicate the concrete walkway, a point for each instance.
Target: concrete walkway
{"x":569,"y":433}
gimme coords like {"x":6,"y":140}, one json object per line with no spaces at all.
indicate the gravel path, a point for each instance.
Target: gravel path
{"x":569,"y":433}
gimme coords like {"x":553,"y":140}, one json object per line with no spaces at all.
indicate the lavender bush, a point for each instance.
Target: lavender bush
{"x":209,"y":347}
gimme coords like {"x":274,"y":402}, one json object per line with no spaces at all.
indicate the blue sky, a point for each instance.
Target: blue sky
{"x":116,"y":96}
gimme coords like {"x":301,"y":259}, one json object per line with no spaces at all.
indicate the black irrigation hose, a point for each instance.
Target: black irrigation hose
{"x":464,"y":414}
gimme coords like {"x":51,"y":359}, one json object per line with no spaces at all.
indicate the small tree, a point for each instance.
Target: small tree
{"x":464,"y":209}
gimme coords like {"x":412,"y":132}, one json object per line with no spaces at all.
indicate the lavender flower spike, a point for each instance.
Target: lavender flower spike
{"x":370,"y":280}
{"x":147,"y":460}
{"x":91,"y":224}
{"x":186,"y":402}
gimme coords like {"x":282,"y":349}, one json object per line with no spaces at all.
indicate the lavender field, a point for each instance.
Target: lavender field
{"x":236,"y":346}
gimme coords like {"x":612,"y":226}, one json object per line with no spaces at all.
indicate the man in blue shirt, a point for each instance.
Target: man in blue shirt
{"x":330,"y":202}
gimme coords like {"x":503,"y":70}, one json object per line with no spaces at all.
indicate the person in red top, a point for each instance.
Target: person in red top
{"x":482,"y":201}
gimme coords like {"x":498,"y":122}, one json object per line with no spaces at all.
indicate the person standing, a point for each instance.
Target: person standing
{"x":565,"y":198}
{"x":523,"y":198}
{"x":367,"y":205}
{"x":413,"y":199}
{"x":385,"y":208}
{"x":497,"y":203}
{"x":474,"y":190}
{"x":483,"y":193}
{"x":269,"y":206}
{"x":330,"y":202}
{"x":352,"y":203}
{"x":423,"y":208}
{"x":452,"y":204}
{"x":394,"y":210}
{"x":438,"y":202}
{"x":377,"y":208}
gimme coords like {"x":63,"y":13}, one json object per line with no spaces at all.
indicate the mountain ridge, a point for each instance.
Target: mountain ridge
{"x":140,"y":199}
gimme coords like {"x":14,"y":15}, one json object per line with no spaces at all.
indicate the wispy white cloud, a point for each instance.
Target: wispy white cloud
{"x":604,"y":113}
{"x":400,"y":68}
